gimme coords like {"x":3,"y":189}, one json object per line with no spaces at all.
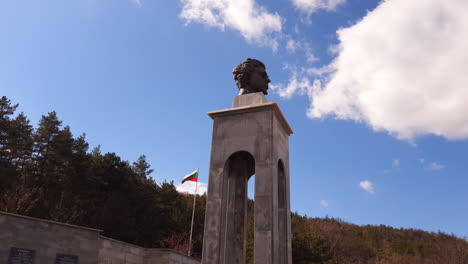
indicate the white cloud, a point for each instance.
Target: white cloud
{"x":434,"y":166}
{"x":324,"y":203}
{"x":367,"y":186}
{"x":298,"y":84}
{"x":292,"y":45}
{"x":401,"y":69}
{"x":189,"y":187}
{"x":310,"y":6}
{"x":138,"y":2}
{"x":295,"y":85}
{"x":254,"y":22}
{"x":310,"y":57}
{"x":396,"y":163}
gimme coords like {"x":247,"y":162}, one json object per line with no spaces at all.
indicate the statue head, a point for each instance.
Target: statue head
{"x":251,"y":77}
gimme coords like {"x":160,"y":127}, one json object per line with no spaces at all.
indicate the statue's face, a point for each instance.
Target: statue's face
{"x":259,"y":80}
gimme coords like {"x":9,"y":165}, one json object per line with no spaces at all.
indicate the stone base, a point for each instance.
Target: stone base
{"x":249,"y":99}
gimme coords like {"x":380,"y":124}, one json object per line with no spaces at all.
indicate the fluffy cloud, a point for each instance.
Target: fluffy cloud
{"x":396,"y":163}
{"x":401,"y":69}
{"x":189,"y":187}
{"x":138,"y":2}
{"x":254,"y":22}
{"x":367,"y":186}
{"x":434,"y":166}
{"x":310,"y":6}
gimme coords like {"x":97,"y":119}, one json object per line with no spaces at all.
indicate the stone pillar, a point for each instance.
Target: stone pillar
{"x":249,"y":138}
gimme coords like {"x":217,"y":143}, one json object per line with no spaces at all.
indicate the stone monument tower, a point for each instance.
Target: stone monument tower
{"x":249,"y":138}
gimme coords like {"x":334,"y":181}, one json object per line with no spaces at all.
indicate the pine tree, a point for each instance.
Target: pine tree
{"x":142,"y":168}
{"x":6,"y":111}
{"x":20,"y":141}
{"x":7,"y":170}
{"x":15,"y":160}
{"x":49,"y":127}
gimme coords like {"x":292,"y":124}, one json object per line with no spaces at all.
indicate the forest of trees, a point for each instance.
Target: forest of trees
{"x":48,"y":173}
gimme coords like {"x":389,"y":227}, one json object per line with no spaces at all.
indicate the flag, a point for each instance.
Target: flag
{"x":191,"y":177}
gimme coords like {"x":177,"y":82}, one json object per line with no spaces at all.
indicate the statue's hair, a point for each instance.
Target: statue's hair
{"x":242,"y":71}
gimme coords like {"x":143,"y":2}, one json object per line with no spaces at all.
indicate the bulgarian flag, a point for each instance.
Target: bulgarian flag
{"x":191,"y":177}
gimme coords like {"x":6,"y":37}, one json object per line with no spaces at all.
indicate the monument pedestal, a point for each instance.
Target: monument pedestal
{"x":250,"y":138}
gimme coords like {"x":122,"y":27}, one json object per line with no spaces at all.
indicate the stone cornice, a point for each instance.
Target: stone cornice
{"x":254,"y":108}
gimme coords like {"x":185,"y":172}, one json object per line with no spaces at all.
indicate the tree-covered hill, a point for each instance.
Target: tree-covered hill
{"x":46,"y":172}
{"x":328,"y":240}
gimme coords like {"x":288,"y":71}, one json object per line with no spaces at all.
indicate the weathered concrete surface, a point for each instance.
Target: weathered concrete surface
{"x":118,"y":252}
{"x":167,"y":256}
{"x":249,"y":99}
{"x":251,"y":137}
{"x":47,"y":238}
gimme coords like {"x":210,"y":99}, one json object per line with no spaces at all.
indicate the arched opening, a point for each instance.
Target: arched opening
{"x":237,"y":171}
{"x":250,"y":220}
{"x":282,"y":214}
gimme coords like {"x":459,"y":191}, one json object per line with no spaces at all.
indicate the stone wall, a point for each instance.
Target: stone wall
{"x":45,"y":239}
{"x":167,"y":256}
{"x":117,"y":252}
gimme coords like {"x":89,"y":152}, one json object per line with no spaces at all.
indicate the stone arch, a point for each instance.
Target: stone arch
{"x":238,"y":169}
{"x":247,"y":160}
{"x":282,"y":212}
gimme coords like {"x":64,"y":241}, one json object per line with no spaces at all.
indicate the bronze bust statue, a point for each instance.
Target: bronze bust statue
{"x":251,"y":77}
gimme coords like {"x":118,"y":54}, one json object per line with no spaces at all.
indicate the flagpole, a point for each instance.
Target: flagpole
{"x":193,"y":214}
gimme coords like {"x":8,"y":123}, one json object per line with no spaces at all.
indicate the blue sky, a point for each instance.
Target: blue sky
{"x":374,"y":91}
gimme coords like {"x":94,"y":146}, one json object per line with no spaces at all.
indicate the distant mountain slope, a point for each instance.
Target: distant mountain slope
{"x":329,"y":240}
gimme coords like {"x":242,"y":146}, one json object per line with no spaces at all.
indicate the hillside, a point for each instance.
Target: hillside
{"x":331,"y":240}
